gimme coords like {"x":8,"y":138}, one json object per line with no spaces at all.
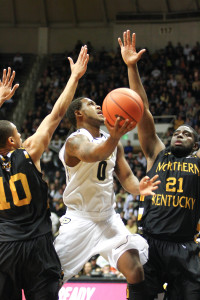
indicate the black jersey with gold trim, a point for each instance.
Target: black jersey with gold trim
{"x":173,"y":213}
{"x":24,"y":211}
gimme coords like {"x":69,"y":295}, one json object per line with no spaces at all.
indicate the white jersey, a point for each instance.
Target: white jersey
{"x":90,"y":185}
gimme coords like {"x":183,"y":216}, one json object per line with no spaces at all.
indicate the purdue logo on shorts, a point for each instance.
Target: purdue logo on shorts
{"x":65,"y":220}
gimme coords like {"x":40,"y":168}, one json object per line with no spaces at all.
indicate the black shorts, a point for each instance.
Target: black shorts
{"x":177,"y":264}
{"x":32,"y":265}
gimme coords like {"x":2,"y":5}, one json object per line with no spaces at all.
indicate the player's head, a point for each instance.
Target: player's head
{"x":184,"y":141}
{"x":10,"y":138}
{"x":74,"y":106}
{"x":83,"y":111}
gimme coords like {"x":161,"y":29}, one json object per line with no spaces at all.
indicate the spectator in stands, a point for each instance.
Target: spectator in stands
{"x":141,"y":158}
{"x":178,"y":121}
{"x":93,"y":261}
{"x":56,"y":143}
{"x":190,"y":100}
{"x":107,"y":273}
{"x":18,"y":62}
{"x":132,"y":224}
{"x":87,"y":269}
{"x":128,"y":148}
{"x":47,"y":160}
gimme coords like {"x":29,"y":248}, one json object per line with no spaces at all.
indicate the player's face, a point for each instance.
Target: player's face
{"x":182,"y":142}
{"x":92,"y":111}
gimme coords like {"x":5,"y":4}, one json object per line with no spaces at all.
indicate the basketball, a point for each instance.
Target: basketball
{"x":124,"y":103}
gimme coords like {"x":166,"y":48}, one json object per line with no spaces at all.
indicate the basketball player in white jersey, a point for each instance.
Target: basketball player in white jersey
{"x":90,"y":225}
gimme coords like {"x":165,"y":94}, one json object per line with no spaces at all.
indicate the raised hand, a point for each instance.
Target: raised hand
{"x":128,"y":50}
{"x":118,"y":131}
{"x":6,"y":89}
{"x":79,"y":68}
{"x":147,"y":185}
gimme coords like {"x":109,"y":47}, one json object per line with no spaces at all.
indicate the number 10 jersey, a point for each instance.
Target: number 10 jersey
{"x":24,"y":212}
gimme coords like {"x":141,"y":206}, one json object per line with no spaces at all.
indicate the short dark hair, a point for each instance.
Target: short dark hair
{"x":75,"y":105}
{"x":6,"y":130}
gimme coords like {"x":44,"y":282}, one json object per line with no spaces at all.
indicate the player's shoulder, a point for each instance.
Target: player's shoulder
{"x":81,"y":132}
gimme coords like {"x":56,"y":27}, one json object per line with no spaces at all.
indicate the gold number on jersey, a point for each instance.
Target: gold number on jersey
{"x":3,"y":203}
{"x":171,"y":185}
{"x":18,"y":202}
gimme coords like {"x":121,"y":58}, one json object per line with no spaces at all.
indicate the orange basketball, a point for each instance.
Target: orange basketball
{"x":123,"y":103}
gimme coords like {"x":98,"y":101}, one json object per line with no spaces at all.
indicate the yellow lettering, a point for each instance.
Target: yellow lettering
{"x":153,"y":199}
{"x":180,"y":199}
{"x":175,"y":163}
{"x":158,"y":198}
{"x":170,"y":166}
{"x":159,"y":167}
{"x":185,"y":169}
{"x":164,"y":199}
{"x":187,"y":202}
{"x":196,"y":170}
{"x":193,"y":202}
{"x":169,"y":202}
{"x":179,"y":166}
{"x":174,"y":199}
{"x":190,"y":168}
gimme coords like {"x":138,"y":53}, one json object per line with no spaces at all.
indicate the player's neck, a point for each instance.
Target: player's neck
{"x":5,"y":151}
{"x":93,"y":130}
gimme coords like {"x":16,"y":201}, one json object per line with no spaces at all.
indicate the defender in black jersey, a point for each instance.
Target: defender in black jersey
{"x":28,"y":259}
{"x":170,"y":219}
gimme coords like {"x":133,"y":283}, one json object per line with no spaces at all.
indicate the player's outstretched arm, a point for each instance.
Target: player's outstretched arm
{"x":6,"y":89}
{"x":129,"y":181}
{"x":149,"y":141}
{"x":37,"y":143}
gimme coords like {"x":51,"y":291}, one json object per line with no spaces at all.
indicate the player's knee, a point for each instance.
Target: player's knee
{"x":135,"y":274}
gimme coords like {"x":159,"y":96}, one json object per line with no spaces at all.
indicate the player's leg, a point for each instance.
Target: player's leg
{"x":126,"y":252}
{"x":74,"y":246}
{"x":8,"y":290}
{"x":10,"y":278}
{"x":185,"y":272}
{"x":129,"y":265}
{"x":184,"y":290}
{"x":42,"y":269}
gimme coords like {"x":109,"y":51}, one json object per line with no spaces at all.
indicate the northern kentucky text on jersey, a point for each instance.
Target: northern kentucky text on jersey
{"x":170,"y":200}
{"x":178,"y":166}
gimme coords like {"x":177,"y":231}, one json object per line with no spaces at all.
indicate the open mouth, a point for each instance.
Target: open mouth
{"x":178,"y":143}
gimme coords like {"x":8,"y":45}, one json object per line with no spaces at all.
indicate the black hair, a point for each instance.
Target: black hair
{"x":75,"y":105}
{"x":6,"y":130}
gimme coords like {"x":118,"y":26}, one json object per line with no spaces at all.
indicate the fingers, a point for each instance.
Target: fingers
{"x":83,"y":53}
{"x":120,"y":42}
{"x":155,"y":177}
{"x":15,"y":88}
{"x":6,"y":79}
{"x":11,"y":79}
{"x":71,"y":62}
{"x":8,"y":76}
{"x":86,"y":59}
{"x":4,"y":76}
{"x":141,"y":52}
{"x":125,"y":38}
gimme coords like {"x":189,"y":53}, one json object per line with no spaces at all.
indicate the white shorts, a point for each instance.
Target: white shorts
{"x":81,"y":238}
